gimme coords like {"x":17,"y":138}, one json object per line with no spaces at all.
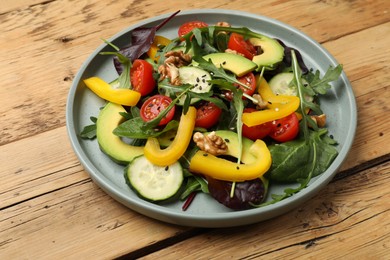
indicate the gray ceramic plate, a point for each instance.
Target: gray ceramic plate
{"x":339,"y":105}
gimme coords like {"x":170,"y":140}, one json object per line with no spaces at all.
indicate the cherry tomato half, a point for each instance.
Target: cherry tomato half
{"x":141,"y":77}
{"x":249,"y":80}
{"x":258,"y":131}
{"x":189,"y":26}
{"x":285,"y":129}
{"x":238,"y":44}
{"x":153,"y":106}
{"x":207,"y":115}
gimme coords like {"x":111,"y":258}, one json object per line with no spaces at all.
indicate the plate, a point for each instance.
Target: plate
{"x":339,"y":105}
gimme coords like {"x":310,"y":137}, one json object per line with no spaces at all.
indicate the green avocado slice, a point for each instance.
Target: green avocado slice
{"x":235,"y":63}
{"x":272,"y":53}
{"x":109,"y":118}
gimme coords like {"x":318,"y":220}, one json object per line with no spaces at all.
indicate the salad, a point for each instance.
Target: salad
{"x":220,"y":110}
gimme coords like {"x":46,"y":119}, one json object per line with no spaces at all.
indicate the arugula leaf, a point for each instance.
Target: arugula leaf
{"x":321,"y":85}
{"x":124,"y":77}
{"x":216,"y":72}
{"x":228,"y":119}
{"x":207,"y":97}
{"x":89,"y":131}
{"x":309,"y":155}
{"x":133,"y":128}
{"x":239,"y":106}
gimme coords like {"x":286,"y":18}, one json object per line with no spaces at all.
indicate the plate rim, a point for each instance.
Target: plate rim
{"x":220,"y":219}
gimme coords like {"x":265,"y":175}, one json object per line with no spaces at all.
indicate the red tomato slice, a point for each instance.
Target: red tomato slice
{"x":258,"y":131}
{"x":249,"y":80}
{"x":189,"y":26}
{"x":238,"y":44}
{"x":141,"y":77}
{"x":285,"y":129}
{"x":207,"y":115}
{"x":153,"y":106}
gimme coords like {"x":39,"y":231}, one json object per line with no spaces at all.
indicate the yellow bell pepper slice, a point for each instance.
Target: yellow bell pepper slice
{"x":278,"y":106}
{"x":169,"y":155}
{"x":222,"y":169}
{"x":155,"y":47}
{"x":126,"y":97}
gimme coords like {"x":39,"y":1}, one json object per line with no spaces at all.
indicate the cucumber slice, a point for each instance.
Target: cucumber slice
{"x":280,"y":84}
{"x":198,"y":78}
{"x":152,"y":182}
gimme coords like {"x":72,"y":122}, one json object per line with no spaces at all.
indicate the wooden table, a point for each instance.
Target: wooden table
{"x":49,"y":206}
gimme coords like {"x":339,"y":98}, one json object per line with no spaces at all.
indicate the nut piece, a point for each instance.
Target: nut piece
{"x":319,"y":120}
{"x":173,"y":61}
{"x":177,"y":58}
{"x":210,"y":143}
{"x":223,"y":24}
{"x":261,"y":104}
{"x":233,"y":52}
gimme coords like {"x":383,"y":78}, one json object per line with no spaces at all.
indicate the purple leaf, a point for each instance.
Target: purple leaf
{"x":287,"y":57}
{"x":141,"y":40}
{"x":245,"y":193}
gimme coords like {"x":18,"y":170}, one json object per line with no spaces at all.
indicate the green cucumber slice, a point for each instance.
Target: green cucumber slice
{"x":197,"y":77}
{"x":152,"y":182}
{"x":280,"y":84}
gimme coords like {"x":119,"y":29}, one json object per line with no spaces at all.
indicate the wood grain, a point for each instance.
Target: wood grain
{"x":59,"y":35}
{"x":340,"y":215}
{"x":51,"y":209}
{"x":80,"y":221}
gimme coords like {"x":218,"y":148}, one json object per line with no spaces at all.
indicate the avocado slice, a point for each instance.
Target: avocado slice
{"x":235,"y":63}
{"x":272,"y":53}
{"x":109,"y":118}
{"x":231,"y":140}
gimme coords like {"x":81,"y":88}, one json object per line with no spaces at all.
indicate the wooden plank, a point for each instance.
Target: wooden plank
{"x":12,"y":5}
{"x":367,"y":66}
{"x":78,"y":222}
{"x":32,"y":170}
{"x":58,"y":37}
{"x":341,"y":221}
{"x":50,"y":208}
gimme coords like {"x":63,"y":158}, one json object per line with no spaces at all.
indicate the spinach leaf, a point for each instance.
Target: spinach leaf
{"x":194,"y":183}
{"x":291,"y":160}
{"x":133,"y":128}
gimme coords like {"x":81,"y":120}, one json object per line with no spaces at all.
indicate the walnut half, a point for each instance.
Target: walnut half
{"x":320,"y":120}
{"x":210,"y":143}
{"x":173,"y":61}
